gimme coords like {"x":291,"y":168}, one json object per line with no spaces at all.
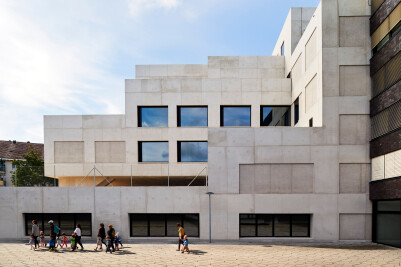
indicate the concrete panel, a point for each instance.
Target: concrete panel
{"x":231,"y":85}
{"x":246,"y":179}
{"x":354,"y":31}
{"x":354,"y":8}
{"x":354,"y":81}
{"x":110,"y":152}
{"x":354,"y":154}
{"x":68,"y":152}
{"x":311,"y":94}
{"x":54,"y":200}
{"x":191,"y":85}
{"x":354,"y":178}
{"x":352,"y":226}
{"x":268,"y":154}
{"x":250,"y":85}
{"x":240,"y":137}
{"x":353,"y":203}
{"x":302,"y":178}
{"x":296,"y":136}
{"x":354,"y":129}
{"x":281,"y":176}
{"x":262,"y":178}
{"x":268,"y":136}
{"x":310,"y":50}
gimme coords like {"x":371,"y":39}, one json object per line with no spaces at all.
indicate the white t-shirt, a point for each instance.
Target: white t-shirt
{"x":77,"y":231}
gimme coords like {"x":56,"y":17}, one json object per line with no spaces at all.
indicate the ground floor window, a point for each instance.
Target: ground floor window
{"x":387,"y":222}
{"x":163,"y":225}
{"x":66,"y":222}
{"x":274,"y":225}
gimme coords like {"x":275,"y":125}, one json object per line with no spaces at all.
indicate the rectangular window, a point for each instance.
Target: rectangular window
{"x":296,"y":111}
{"x":192,"y":117}
{"x":66,"y":222}
{"x":387,"y":222}
{"x":274,"y":225}
{"x":282,"y":49}
{"x":235,"y":116}
{"x":192,"y":151}
{"x":311,"y":122}
{"x":275,"y":116}
{"x":163,"y":224}
{"x":153,"y":151}
{"x":152,"y":116}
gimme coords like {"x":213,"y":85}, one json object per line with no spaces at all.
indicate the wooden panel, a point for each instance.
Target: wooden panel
{"x":382,"y":13}
{"x":395,"y":16}
{"x":381,"y":31}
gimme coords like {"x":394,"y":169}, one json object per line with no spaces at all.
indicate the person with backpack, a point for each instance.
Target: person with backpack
{"x":78,"y":232}
{"x":111,"y":233}
{"x":52,"y":241}
{"x":181,"y":234}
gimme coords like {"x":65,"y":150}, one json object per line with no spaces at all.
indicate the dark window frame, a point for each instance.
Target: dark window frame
{"x":273,"y":224}
{"x":234,"y":106}
{"x":274,"y":106}
{"x":200,"y":106}
{"x":282,"y":49}
{"x":139,"y":117}
{"x":311,"y":122}
{"x":140,"y":151}
{"x":148,"y":215}
{"x":40,"y":218}
{"x":296,"y":111}
{"x":179,"y":149}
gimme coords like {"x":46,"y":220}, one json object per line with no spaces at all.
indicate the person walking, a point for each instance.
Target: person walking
{"x":35,"y":232}
{"x":111,"y":233}
{"x":101,"y":235}
{"x":52,"y":241}
{"x":78,"y":232}
{"x":181,"y":234}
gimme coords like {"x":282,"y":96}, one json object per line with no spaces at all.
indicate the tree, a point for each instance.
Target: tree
{"x":30,"y":171}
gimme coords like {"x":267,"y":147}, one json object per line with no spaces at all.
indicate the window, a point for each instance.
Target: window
{"x":192,"y":116}
{"x":275,"y":116}
{"x":282,"y":49}
{"x":311,"y":122}
{"x":66,"y":222}
{"x":162,"y":224}
{"x":152,"y":117}
{"x":296,"y":111}
{"x":192,"y":151}
{"x":274,"y":225}
{"x":235,"y":116}
{"x":387,"y":222}
{"x":156,"y":151}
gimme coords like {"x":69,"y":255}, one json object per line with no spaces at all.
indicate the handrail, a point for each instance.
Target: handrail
{"x":197,"y":176}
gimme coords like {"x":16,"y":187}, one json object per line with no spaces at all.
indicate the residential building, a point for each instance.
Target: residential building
{"x":385,"y":112}
{"x":9,"y":151}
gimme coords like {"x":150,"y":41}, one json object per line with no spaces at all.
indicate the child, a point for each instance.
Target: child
{"x":64,"y":238}
{"x":108,"y":244}
{"x":42,"y":239}
{"x":116,"y":241}
{"x":59,"y":241}
{"x":185,"y":241}
{"x":73,"y":243}
{"x":32,"y":242}
{"x":119,"y":238}
{"x":99,"y":243}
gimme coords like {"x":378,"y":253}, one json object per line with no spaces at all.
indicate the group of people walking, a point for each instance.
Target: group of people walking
{"x":110,"y":238}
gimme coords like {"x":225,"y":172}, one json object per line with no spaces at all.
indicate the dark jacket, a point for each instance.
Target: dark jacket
{"x":102,"y":233}
{"x":52,"y":233}
{"x":111,"y":232}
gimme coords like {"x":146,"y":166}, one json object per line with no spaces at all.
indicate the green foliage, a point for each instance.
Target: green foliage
{"x":30,"y":171}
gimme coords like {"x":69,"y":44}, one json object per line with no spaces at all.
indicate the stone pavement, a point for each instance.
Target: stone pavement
{"x":224,"y":254}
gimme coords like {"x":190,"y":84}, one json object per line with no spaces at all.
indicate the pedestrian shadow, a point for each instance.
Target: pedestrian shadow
{"x":123,"y":252}
{"x":197,"y":252}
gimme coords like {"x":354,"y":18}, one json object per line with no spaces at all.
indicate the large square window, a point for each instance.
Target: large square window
{"x":192,"y":151}
{"x":275,"y":116}
{"x":235,"y":116}
{"x":153,"y":151}
{"x":152,"y":117}
{"x":192,"y":116}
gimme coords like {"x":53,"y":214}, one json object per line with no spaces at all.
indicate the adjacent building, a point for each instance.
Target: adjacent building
{"x":385,"y":112}
{"x":281,"y":141}
{"x":9,"y":151}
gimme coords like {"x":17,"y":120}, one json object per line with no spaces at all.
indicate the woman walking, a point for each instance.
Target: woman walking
{"x":101,"y":235}
{"x":78,"y":232}
{"x":35,"y":232}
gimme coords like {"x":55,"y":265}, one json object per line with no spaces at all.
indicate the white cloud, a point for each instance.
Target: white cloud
{"x":137,"y":7}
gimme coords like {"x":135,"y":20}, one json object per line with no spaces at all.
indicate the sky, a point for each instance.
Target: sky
{"x":61,"y":57}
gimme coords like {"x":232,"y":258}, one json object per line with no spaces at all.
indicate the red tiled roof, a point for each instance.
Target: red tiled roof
{"x":11,"y":150}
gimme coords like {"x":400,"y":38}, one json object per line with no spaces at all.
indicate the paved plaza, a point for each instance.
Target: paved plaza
{"x":17,"y":254}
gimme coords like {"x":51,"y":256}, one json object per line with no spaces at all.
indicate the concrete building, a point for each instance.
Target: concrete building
{"x":282,"y":141}
{"x":9,"y":151}
{"x":385,"y":112}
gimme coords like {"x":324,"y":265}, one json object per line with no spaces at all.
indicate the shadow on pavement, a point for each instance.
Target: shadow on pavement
{"x":197,"y":252}
{"x":365,"y":247}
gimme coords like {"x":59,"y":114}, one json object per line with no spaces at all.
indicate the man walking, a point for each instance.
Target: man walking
{"x":52,"y":241}
{"x":181,"y":234}
{"x":35,"y":232}
{"x":111,"y":233}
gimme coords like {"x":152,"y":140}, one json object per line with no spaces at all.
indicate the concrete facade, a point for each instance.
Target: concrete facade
{"x":322,"y":170}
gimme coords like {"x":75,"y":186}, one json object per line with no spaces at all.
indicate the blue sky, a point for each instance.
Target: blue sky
{"x":71,"y":57}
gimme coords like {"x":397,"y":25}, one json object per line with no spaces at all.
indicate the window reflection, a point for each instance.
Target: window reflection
{"x":192,"y":117}
{"x":192,"y":151}
{"x":275,"y":116}
{"x":153,"y":151}
{"x":152,"y":117}
{"x":235,"y":116}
